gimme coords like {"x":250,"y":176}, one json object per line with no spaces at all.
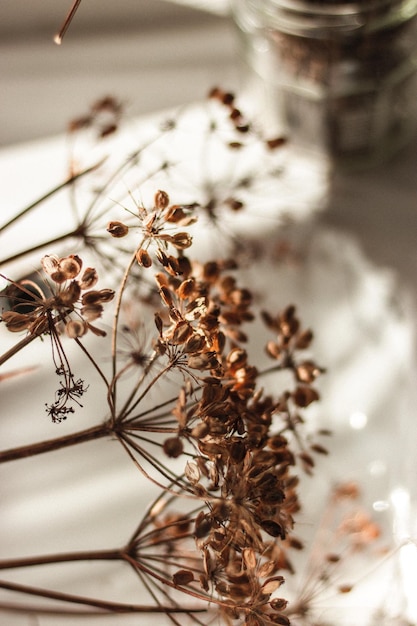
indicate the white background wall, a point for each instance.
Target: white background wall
{"x":151,"y":53}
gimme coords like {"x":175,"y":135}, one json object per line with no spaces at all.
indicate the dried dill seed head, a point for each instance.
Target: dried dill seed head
{"x":63,"y":302}
{"x":157,"y":227}
{"x":241,"y":124}
{"x":68,"y":300}
{"x":238,"y":446}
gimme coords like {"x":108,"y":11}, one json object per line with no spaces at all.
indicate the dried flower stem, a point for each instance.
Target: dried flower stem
{"x":128,"y":406}
{"x":112,"y":391}
{"x":78,"y":233}
{"x":59,"y":36}
{"x":51,"y":193}
{"x":88,"y":555}
{"x":112,"y":607}
{"x":48,"y":445}
{"x":16,"y":348}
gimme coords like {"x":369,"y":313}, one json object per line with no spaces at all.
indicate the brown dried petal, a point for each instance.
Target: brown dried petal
{"x":307,"y":459}
{"x":304,"y":395}
{"x":173,"y":447}
{"x":249,"y":558}
{"x":200,"y":431}
{"x":186,"y":289}
{"x":143,"y":258}
{"x":159,"y":323}
{"x":277,"y":442}
{"x":175,"y":315}
{"x":80,"y":122}
{"x":289,"y":324}
{"x":166,"y":296}
{"x":183,"y":577}
{"x":276,"y":142}
{"x":162,"y":257}
{"x":182,"y":240}
{"x":50,"y":263}
{"x":281,"y":620}
{"x":96,"y":331}
{"x":237,"y":358}
{"x":117,"y":229}
{"x":173,"y":266}
{"x":161,"y":199}
{"x":70,"y":295}
{"x":71,"y":266}
{"x":148,"y":221}
{"x":272,"y":584}
{"x":107,"y":130}
{"x":273,"y":528}
{"x":16,"y":322}
{"x":211,"y":271}
{"x":182,"y":332}
{"x":97,"y":296}
{"x":278,"y":604}
{"x":295,"y":543}
{"x":106,"y":295}
{"x":304,"y":339}
{"x":92,"y":312}
{"x":192,"y":472}
{"x":266,"y":569}
{"x":161,"y":279}
{"x":195,"y":343}
{"x":76,"y":328}
{"x":316,"y":447}
{"x":202,"y":526}
{"x":200,"y":361}
{"x":58,"y":277}
{"x":307,"y":372}
{"x":238,"y":450}
{"x":349,"y":490}
{"x":234,"y":204}
{"x":174,"y":214}
{"x":89,"y":278}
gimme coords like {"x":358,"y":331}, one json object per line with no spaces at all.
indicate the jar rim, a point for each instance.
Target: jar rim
{"x":331,"y":15}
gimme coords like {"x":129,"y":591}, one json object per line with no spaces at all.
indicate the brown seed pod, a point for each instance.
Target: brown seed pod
{"x":143,"y":258}
{"x":117,"y":229}
{"x":161,"y":199}
{"x":173,"y":447}
{"x":183,"y":577}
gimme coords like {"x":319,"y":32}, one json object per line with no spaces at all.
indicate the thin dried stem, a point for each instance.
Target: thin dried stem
{"x":108,"y":607}
{"x":77,"y":233}
{"x":60,"y":35}
{"x":122,"y":287}
{"x":51,"y":193}
{"x":90,"y":555}
{"x":17,"y":347}
{"x":33,"y":449}
{"x":128,"y":406}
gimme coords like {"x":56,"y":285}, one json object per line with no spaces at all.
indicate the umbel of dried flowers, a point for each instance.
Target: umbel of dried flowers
{"x":224,"y":454}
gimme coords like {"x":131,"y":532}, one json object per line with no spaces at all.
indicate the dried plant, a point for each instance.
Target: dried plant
{"x":220,"y":432}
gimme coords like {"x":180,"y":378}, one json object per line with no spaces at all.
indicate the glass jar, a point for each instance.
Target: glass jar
{"x":336,"y":76}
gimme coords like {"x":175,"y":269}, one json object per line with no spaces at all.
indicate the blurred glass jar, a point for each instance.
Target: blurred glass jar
{"x":336,"y":76}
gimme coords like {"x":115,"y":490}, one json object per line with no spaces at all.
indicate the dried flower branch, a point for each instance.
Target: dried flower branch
{"x":60,"y":35}
{"x":207,"y":425}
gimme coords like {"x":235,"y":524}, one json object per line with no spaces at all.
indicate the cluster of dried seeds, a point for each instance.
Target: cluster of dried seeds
{"x":222,"y":530}
{"x":67,"y":301}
